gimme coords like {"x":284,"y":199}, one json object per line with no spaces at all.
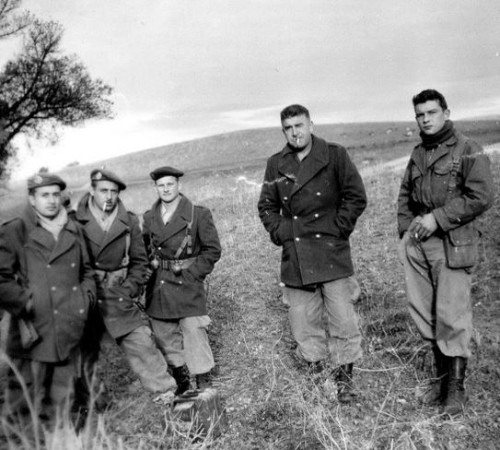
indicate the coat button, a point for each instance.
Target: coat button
{"x":81,"y":311}
{"x":120,"y":299}
{"x":75,"y":288}
{"x":162,"y":282}
{"x":180,"y":282}
{"x":316,"y":215}
{"x":285,"y":198}
{"x":318,"y":236}
{"x":295,"y":217}
{"x":53,"y":288}
{"x":48,"y":266}
{"x":56,"y":311}
{"x":99,"y":301}
{"x":318,"y":193}
{"x":96,"y":263}
{"x":297,"y":239}
{"x":73,"y":264}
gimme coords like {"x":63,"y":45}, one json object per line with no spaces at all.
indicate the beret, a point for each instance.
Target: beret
{"x":165,"y":171}
{"x":45,"y":179}
{"x":107,"y":175}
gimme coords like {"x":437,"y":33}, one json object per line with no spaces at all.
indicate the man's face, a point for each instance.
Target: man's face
{"x":167,"y":188}
{"x":297,"y":131}
{"x":431,"y":117}
{"x":46,"y":200}
{"x":105,"y":195}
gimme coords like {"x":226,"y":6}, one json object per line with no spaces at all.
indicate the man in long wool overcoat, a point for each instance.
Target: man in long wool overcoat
{"x":184,"y":246}
{"x":311,"y":198}
{"x":119,"y":259}
{"x":47,"y":285}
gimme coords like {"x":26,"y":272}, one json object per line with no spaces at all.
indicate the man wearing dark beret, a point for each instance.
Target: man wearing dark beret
{"x":47,"y":286}
{"x":119,"y":259}
{"x":183,"y":246}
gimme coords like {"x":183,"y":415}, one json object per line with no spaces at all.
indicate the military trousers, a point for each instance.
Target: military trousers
{"x":185,"y":341}
{"x":331,"y":303}
{"x":439,"y":298}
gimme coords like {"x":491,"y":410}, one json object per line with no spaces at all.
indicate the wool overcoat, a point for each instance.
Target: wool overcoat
{"x":171,"y":296}
{"x":108,"y":252}
{"x":56,"y":276}
{"x":310,"y":209}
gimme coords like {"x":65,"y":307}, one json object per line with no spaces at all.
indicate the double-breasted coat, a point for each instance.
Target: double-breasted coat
{"x":121,"y":250}
{"x":171,"y":296}
{"x":55,"y":275}
{"x":310,"y":209}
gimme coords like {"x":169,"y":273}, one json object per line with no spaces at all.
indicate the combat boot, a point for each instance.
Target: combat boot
{"x":203,"y":381}
{"x":435,"y":392}
{"x":456,"y":397}
{"x":345,"y":385}
{"x":182,"y":378}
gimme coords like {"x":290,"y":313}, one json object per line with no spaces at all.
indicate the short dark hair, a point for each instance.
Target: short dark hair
{"x":429,"y":95}
{"x":293,"y":111}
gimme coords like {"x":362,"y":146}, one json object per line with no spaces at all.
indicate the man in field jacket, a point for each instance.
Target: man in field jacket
{"x":446,"y":186}
{"x":311,"y":198}
{"x":119,"y":258}
{"x":47,"y":285}
{"x":184,"y":246}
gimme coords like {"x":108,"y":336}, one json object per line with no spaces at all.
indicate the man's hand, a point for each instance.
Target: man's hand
{"x":423,"y":227}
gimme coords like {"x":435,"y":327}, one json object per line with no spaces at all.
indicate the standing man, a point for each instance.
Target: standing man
{"x":311,"y":198}
{"x":184,"y":246}
{"x":119,"y":258}
{"x":447,"y":184}
{"x":47,"y":285}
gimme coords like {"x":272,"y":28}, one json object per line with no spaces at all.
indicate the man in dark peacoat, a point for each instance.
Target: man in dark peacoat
{"x":311,"y":197}
{"x":184,"y":246}
{"x":118,"y":256}
{"x":47,"y":285}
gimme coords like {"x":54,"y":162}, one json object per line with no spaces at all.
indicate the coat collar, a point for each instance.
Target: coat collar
{"x":420,"y":154}
{"x":43,"y":238}
{"x":180,"y":219}
{"x":301,"y":173}
{"x":92,"y":229}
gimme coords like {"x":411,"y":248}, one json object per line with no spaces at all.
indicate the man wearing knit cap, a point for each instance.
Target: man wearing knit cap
{"x":183,"y":247}
{"x":119,"y":258}
{"x":47,"y":285}
{"x":446,"y":186}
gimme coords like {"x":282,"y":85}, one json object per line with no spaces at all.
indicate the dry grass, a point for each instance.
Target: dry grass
{"x":270,"y":400}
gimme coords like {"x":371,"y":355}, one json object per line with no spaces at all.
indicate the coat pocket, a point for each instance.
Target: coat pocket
{"x":461,"y":246}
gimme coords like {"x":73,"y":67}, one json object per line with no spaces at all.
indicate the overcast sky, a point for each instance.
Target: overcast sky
{"x":191,"y":68}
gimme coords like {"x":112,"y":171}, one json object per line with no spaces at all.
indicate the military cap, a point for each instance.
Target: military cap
{"x":45,"y":179}
{"x":165,"y":171}
{"x":107,"y":175}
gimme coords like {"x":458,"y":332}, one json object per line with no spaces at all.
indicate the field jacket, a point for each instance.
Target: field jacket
{"x":120,"y":260}
{"x":171,"y":296}
{"x":310,"y":208}
{"x":425,"y":185}
{"x":56,"y":276}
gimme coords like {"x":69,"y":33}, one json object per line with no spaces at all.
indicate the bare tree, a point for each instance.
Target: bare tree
{"x":11,"y":22}
{"x":43,"y":88}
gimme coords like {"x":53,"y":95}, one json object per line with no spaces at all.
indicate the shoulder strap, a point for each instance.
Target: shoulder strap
{"x":126,"y":258}
{"x":457,"y":160}
{"x":188,"y":239}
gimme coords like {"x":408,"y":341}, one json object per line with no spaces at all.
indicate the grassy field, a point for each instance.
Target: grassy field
{"x":268,"y":396}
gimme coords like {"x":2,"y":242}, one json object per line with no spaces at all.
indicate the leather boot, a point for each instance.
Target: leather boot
{"x":435,"y":392}
{"x":456,"y":397}
{"x":182,"y":378}
{"x":345,"y":390}
{"x":203,"y":381}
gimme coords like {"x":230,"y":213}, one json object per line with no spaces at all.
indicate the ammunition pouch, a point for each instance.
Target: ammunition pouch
{"x":175,"y":265}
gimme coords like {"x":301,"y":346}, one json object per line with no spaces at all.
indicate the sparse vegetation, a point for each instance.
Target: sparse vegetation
{"x":270,"y":400}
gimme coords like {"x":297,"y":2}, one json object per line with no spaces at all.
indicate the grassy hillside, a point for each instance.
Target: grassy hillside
{"x":269,"y":398}
{"x":368,"y":144}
